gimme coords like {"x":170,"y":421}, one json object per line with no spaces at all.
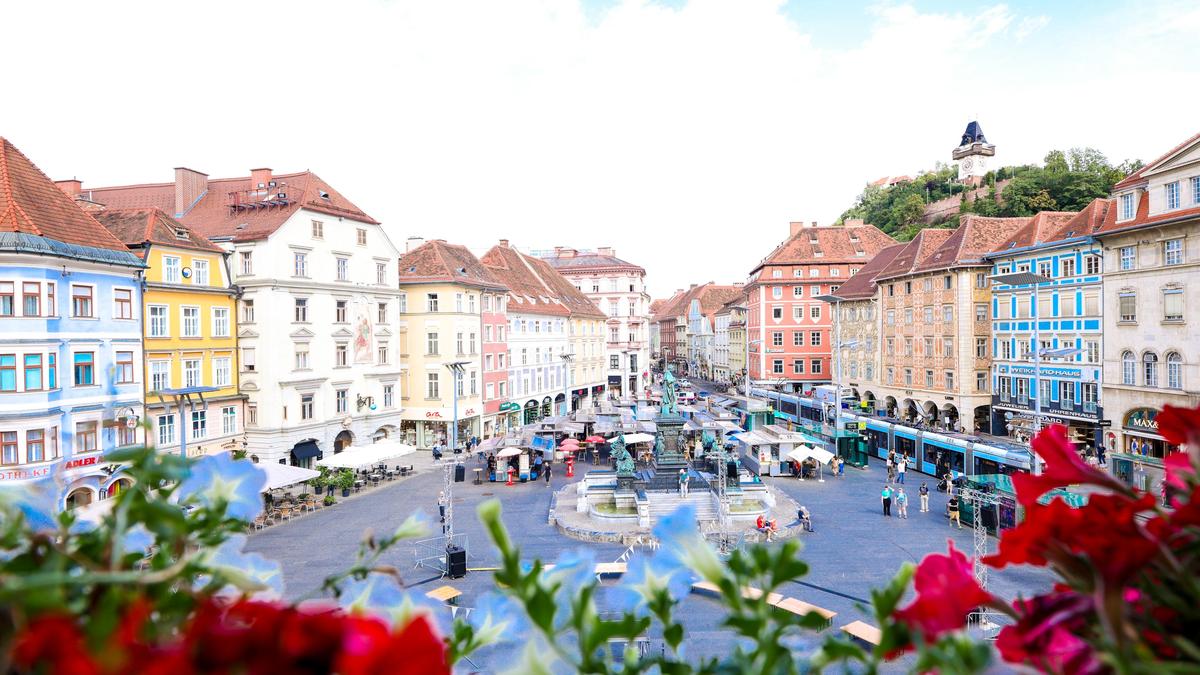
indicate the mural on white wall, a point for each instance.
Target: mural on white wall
{"x":362,"y":331}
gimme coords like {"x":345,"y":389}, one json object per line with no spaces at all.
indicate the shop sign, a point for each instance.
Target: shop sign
{"x":442,"y":414}
{"x":24,"y":474}
{"x":81,"y":461}
{"x":1046,"y":371}
{"x":509,"y":407}
{"x":1142,"y":419}
{"x":433,"y":415}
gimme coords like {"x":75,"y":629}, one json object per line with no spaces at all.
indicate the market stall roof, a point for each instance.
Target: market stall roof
{"x":508,"y":452}
{"x":753,"y":438}
{"x":692,"y":425}
{"x":491,"y":443}
{"x":363,"y":455}
{"x":646,"y":427}
{"x":283,"y":475}
{"x":639,"y":438}
{"x":804,"y":452}
{"x":570,"y":427}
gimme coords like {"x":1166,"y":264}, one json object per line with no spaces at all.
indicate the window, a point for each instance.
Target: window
{"x":891,"y":375}
{"x":891,"y":317}
{"x":1005,"y":350}
{"x":1091,"y":264}
{"x":35,"y":446}
{"x":341,"y":402}
{"x":85,"y":436}
{"x":1091,"y":303}
{"x":980,"y":380}
{"x":191,"y":321}
{"x":927,"y":284}
{"x":341,"y":355}
{"x":339,"y":311}
{"x":777,"y":366}
{"x":474,"y":388}
{"x":199,"y":272}
{"x":124,"y":367}
{"x":171,"y":269}
{"x":777,"y":339}
{"x":1005,"y":388}
{"x":947,"y":347}
{"x":247,"y":311}
{"x":891,"y":290}
{"x":928,"y":346}
{"x":798,"y":366}
{"x":1092,"y":351}
{"x":1128,"y":368}
{"x":431,"y":302}
{"x":797,"y":291}
{"x":191,"y":373}
{"x":949,"y":374}
{"x":228,"y":420}
{"x":1023,"y":390}
{"x":814,"y":338}
{"x":432,"y":389}
{"x":8,"y":448}
{"x":158,"y":321}
{"x":928,"y":312}
{"x":301,"y":310}
{"x":318,"y":229}
{"x":160,"y":375}
{"x":814,"y":272}
{"x":431,"y":344}
{"x":981,"y":312}
{"x":1150,"y":369}
{"x":299,"y":264}
{"x":343,"y":269}
{"x":301,"y":357}
{"x":814,"y":312}
{"x":81,"y":301}
{"x":33,"y":372}
{"x":361,"y":236}
{"x":31,"y":299}
{"x":798,"y":338}
{"x":777,"y":292}
{"x":1173,"y":252}
{"x":222,"y":371}
{"x":248,"y":362}
{"x":814,"y":366}
{"x":247,"y":260}
{"x":1173,"y":304}
{"x":908,"y":346}
{"x":1174,"y":370}
{"x":389,"y":397}
{"x":981,"y":348}
{"x":1067,"y":266}
{"x":458,"y":342}
{"x":306,"y":406}
{"x":947,"y":282}
{"x":1195,"y":189}
{"x":777,"y":313}
{"x":1172,"y":190}
{"x":381,"y":352}
{"x":8,"y":372}
{"x":891,"y":346}
{"x":220,"y":319}
{"x":1091,"y":395}
{"x":381,"y":312}
{"x":1126,"y":206}
{"x":908,"y":288}
{"x":1128,"y":257}
{"x":380,"y":273}
{"x":252,"y":415}
{"x":908,"y":316}
{"x":1127,"y":303}
{"x":948,"y":313}
{"x":1044,"y":269}
{"x":1066,"y":394}
{"x":85,"y":367}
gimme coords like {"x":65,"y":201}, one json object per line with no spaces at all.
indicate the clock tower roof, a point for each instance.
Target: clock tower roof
{"x":973,"y":134}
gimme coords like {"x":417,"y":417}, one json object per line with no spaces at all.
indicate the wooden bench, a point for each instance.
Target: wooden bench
{"x":748,"y":592}
{"x":863,"y":631}
{"x":447,"y":594}
{"x":611,"y":569}
{"x":801,"y":608}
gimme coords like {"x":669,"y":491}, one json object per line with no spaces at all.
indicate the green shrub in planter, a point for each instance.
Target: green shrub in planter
{"x":329,"y":500}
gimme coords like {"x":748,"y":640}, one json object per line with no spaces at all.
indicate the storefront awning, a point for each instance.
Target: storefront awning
{"x":282,"y":475}
{"x":365,"y":455}
{"x":305,"y":450}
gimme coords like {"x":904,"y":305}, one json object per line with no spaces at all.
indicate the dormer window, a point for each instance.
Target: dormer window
{"x":1127,"y":206}
{"x":181,"y":233}
{"x":1172,"y":191}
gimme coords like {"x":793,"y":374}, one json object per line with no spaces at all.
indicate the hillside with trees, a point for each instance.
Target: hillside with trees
{"x":1067,"y":181}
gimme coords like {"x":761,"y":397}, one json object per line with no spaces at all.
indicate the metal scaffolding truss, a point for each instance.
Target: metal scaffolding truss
{"x":978,"y":499}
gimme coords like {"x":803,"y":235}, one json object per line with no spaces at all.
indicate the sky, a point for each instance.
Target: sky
{"x":686,"y":134}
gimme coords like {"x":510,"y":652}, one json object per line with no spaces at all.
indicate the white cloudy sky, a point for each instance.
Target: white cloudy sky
{"x":684,"y":133}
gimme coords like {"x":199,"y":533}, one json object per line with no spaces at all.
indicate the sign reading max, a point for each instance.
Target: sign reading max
{"x":1142,"y":419}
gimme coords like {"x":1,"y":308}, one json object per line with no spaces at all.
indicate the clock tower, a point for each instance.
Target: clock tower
{"x":973,"y":155}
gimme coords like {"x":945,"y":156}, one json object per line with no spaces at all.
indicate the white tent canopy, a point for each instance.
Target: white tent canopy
{"x":282,"y":475}
{"x":639,"y":438}
{"x":752,"y":438}
{"x":365,"y":455}
{"x":803,"y":452}
{"x":509,"y":452}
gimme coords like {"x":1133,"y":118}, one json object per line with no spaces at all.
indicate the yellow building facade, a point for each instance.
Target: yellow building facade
{"x":190,"y":329}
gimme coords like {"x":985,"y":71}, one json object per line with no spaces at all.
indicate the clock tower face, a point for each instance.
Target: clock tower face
{"x":967,"y":164}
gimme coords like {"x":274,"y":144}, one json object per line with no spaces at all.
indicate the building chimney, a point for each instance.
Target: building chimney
{"x":691,"y":287}
{"x":260,"y":178}
{"x":413,"y":243}
{"x":190,"y":186}
{"x":814,"y":223}
{"x":606,"y":250}
{"x":854,"y":222}
{"x":71,"y":187}
{"x":794,"y":227}
{"x":504,"y":243}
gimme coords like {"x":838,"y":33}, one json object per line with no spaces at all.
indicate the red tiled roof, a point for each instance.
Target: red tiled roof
{"x":974,"y":237}
{"x":535,"y":287}
{"x":711,"y":296}
{"x":1136,"y":177}
{"x":438,"y":261}
{"x":1040,"y":229}
{"x":214,"y":215}
{"x":588,"y":262}
{"x":862,"y":284}
{"x":137,"y":227}
{"x":31,"y":203}
{"x":913,"y":253}
{"x":833,"y":242}
{"x":1142,"y":217}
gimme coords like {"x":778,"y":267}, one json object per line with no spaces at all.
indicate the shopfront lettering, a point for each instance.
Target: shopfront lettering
{"x":1142,"y":419}
{"x":82,"y":461}
{"x":433,"y":414}
{"x":24,"y":474}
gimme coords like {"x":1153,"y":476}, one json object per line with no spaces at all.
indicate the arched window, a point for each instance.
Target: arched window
{"x":1150,"y":369}
{"x":1128,"y":368}
{"x":1174,"y":371}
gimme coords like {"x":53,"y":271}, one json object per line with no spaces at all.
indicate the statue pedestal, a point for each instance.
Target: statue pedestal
{"x":668,"y":463}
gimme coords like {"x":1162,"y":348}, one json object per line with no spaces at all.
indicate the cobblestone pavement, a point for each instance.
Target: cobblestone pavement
{"x":853,"y":549}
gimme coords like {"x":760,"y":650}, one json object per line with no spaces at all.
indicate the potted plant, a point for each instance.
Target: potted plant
{"x":345,"y":480}
{"x":323,"y":481}
{"x":329,"y":500}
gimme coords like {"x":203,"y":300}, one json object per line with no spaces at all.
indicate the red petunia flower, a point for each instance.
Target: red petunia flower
{"x":1180,"y":469}
{"x":946,"y":592}
{"x":371,"y":649}
{"x":1180,"y":426}
{"x":1063,"y":468}
{"x":1047,"y":635}
{"x":53,"y":644}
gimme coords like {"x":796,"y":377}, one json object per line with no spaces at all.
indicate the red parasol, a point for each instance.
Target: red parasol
{"x":595,"y":439}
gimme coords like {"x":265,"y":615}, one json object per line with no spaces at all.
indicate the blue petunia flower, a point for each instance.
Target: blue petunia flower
{"x":221,"y":478}
{"x":498,"y":618}
{"x":572,"y":570}
{"x":246,"y":571}
{"x":646,"y":576}
{"x":137,"y":539}
{"x":682,"y":543}
{"x":37,"y":500}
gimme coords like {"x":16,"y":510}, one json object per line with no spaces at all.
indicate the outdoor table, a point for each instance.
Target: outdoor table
{"x":863,"y":631}
{"x":478,"y":476}
{"x":358,"y":485}
{"x":801,"y":608}
{"x":447,"y":594}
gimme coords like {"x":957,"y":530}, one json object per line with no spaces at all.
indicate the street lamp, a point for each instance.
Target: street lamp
{"x":1035,"y":280}
{"x":621,"y":368}
{"x":836,"y":301}
{"x":566,"y":359}
{"x":184,"y":403}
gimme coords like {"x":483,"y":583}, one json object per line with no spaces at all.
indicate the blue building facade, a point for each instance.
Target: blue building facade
{"x":1064,"y":323}
{"x":70,"y":340}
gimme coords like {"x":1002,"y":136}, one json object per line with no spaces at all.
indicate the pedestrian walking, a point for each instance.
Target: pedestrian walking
{"x":900,"y":467}
{"x":546,"y":468}
{"x":952,"y":509}
{"x":901,"y":503}
{"x":805,"y":518}
{"x":891,"y":467}
{"x":886,"y":498}
{"x":924,"y":497}
{"x":841,"y":467}
{"x":683,"y":482}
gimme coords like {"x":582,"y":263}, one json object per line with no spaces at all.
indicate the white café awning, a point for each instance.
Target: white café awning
{"x":752,"y":438}
{"x":282,"y":475}
{"x":804,"y":452}
{"x":364,"y":455}
{"x":639,"y":438}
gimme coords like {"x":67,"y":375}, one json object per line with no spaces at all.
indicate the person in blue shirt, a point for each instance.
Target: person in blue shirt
{"x":886,"y":498}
